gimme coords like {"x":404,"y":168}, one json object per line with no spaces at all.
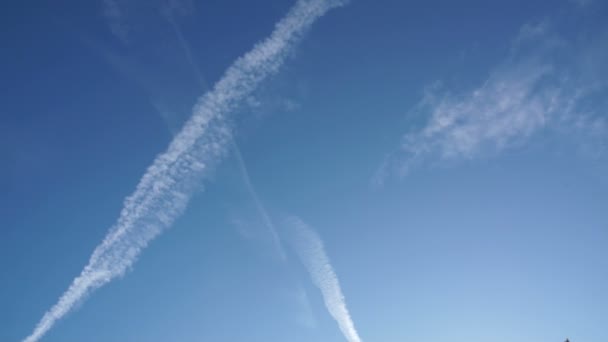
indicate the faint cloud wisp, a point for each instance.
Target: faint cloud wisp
{"x":541,"y":85}
{"x":114,"y":15}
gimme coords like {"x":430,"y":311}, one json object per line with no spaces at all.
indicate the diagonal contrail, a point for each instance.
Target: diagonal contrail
{"x":310,"y":249}
{"x":259,"y":206}
{"x":186,"y":49}
{"x":165,"y":189}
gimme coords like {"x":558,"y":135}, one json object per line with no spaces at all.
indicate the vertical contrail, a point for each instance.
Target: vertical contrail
{"x":310,"y":249}
{"x":165,"y":189}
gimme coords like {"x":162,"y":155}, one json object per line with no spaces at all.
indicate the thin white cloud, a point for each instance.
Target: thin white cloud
{"x":539,"y":86}
{"x":309,"y":247}
{"x":165,"y":189}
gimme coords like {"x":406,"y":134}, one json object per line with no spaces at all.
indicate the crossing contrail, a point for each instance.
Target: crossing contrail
{"x":165,"y":188}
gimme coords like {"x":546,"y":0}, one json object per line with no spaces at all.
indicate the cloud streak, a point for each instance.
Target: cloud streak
{"x":542,"y":85}
{"x":309,"y":247}
{"x":169,"y":10}
{"x":259,"y":206}
{"x":165,"y":189}
{"x":304,"y":315}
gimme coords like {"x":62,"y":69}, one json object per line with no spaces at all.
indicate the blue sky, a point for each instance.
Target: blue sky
{"x":374,"y":171}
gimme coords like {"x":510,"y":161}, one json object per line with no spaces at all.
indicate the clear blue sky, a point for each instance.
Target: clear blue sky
{"x":452,"y":156}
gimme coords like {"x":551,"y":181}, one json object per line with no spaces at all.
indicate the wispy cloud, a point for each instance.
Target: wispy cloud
{"x":582,"y":3}
{"x":304,"y":315}
{"x":539,"y":86}
{"x":114,"y":15}
{"x":309,"y":247}
{"x":165,"y":189}
{"x":177,"y":7}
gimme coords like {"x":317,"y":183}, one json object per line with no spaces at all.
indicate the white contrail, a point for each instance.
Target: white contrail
{"x":305,"y":315}
{"x":310,"y":249}
{"x":260,"y":208}
{"x":165,"y":189}
{"x":183,"y":43}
